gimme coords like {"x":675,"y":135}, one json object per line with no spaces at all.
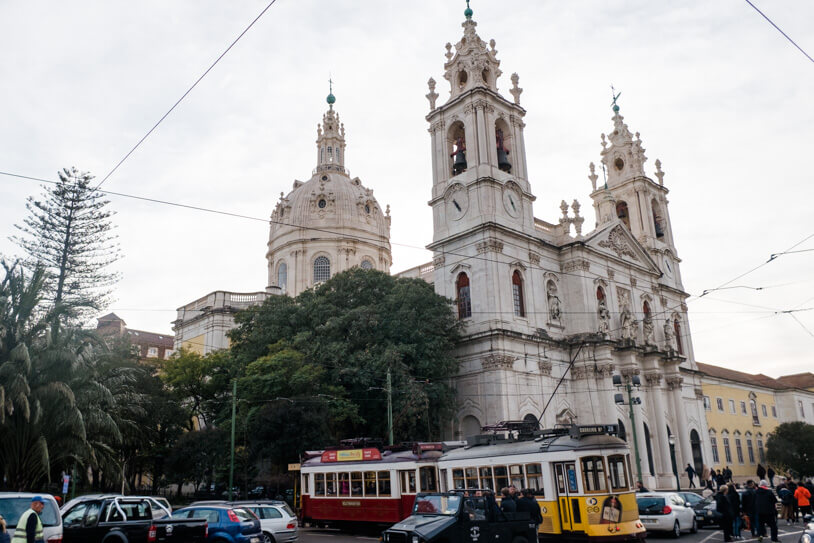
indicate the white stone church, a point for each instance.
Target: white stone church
{"x":552,"y":312}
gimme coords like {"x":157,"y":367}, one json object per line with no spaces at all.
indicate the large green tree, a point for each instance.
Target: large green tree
{"x":791,"y":446}
{"x":68,"y":233}
{"x":350,"y":332}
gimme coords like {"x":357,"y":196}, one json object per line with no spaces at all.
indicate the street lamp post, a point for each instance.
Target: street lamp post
{"x":619,"y":399}
{"x":672,"y":440}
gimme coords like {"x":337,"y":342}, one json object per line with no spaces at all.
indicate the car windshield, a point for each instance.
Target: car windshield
{"x":692,"y":498}
{"x":650,"y":505}
{"x":437,"y":505}
{"x":12,"y":508}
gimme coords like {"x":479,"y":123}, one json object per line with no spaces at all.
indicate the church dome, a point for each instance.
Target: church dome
{"x":327,"y":224}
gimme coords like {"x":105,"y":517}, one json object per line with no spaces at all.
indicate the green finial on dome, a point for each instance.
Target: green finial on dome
{"x":615,"y":97}
{"x":468,"y":11}
{"x":331,"y":99}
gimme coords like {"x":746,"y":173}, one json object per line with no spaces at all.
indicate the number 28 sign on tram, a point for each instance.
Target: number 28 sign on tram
{"x":351,"y":455}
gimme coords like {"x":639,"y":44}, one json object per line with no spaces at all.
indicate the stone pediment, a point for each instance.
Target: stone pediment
{"x":616,"y":240}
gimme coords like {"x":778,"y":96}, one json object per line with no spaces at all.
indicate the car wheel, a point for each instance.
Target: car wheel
{"x":694,"y":528}
{"x":676,"y":530}
{"x":267,"y":538}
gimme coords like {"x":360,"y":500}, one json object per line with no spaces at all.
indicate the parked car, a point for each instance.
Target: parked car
{"x":666,"y":512}
{"x":159,"y":505}
{"x":227,"y":523}
{"x":277,"y":520}
{"x":808,"y":532}
{"x":125,"y":519}
{"x":698,"y":505}
{"x":14,"y":504}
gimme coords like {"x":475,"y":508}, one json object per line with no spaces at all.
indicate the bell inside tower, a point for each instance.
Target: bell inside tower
{"x":502,"y":152}
{"x":458,"y":154}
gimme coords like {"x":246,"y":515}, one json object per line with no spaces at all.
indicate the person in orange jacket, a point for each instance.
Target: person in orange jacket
{"x":803,"y":497}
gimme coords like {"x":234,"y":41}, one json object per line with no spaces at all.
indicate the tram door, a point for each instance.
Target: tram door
{"x":565,"y":474}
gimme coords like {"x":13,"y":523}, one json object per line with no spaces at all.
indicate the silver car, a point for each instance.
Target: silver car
{"x":277,"y":520}
{"x":666,"y":512}
{"x":14,"y":504}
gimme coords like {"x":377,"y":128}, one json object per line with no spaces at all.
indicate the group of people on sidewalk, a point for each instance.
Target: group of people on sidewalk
{"x":512,"y":500}
{"x":753,"y":510}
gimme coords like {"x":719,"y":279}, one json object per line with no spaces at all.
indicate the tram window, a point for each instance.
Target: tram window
{"x":534,"y":475}
{"x":429,"y":482}
{"x":384,"y":483}
{"x":486,"y":478}
{"x":593,"y":474}
{"x":444,"y":482}
{"x":344,"y":484}
{"x":516,"y":478}
{"x":370,"y":483}
{"x":501,"y":477}
{"x":319,"y":484}
{"x":330,"y":484}
{"x":458,"y":478}
{"x":471,"y":476}
{"x":407,"y":478}
{"x":356,"y":483}
{"x":560,"y":479}
{"x":304,"y":483}
{"x":617,"y":472}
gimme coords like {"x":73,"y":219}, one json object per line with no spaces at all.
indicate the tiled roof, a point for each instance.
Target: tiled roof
{"x":110,"y":317}
{"x":798,"y":380}
{"x":741,"y":377}
{"x":141,"y":337}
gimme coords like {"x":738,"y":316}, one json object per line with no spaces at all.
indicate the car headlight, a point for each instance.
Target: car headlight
{"x":805,"y":538}
{"x":416,"y":539}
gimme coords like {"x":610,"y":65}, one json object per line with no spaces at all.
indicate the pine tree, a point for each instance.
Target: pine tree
{"x":68,"y":233}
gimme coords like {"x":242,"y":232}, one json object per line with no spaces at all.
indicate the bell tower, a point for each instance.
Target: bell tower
{"x":630,"y":196}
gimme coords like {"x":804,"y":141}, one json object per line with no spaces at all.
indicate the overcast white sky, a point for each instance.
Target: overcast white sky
{"x":717,"y":93}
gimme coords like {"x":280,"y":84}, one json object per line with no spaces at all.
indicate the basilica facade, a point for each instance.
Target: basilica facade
{"x":562,"y":322}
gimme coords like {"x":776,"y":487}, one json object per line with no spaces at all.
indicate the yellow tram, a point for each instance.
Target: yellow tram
{"x":580,"y":474}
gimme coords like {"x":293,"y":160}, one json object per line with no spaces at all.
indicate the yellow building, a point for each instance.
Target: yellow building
{"x":742,"y":411}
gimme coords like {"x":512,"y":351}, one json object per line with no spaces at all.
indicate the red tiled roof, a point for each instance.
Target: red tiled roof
{"x":741,"y":377}
{"x":140,"y":337}
{"x":798,"y":380}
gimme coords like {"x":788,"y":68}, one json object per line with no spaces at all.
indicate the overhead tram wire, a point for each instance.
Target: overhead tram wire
{"x":136,"y":146}
{"x":779,"y":30}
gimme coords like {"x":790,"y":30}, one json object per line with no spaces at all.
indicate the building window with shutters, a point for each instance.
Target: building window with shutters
{"x":727,"y":450}
{"x":464,"y":296}
{"x":517,"y":294}
{"x":713,"y":442}
{"x":750,"y":451}
{"x":739,"y":450}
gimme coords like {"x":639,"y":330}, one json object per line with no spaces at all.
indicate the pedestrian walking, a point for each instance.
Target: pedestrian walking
{"x":771,"y":474}
{"x":734,"y":510}
{"x":722,"y":506}
{"x":748,"y":506}
{"x":690,"y":474}
{"x":4,"y":537}
{"x":29,"y":525}
{"x":727,"y":475}
{"x":761,"y":472}
{"x":803,"y":497}
{"x":766,"y":510}
{"x":786,"y":502}
{"x":720,"y":480}
{"x":529,"y":503}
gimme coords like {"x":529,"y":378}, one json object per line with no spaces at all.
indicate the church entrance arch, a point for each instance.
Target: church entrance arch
{"x":470,"y":426}
{"x":697,"y":456}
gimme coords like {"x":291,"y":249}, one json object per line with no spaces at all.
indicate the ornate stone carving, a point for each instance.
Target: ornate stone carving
{"x":593,"y":177}
{"x":554,"y":309}
{"x":438,"y":261}
{"x":432,"y":96}
{"x":699,"y":393}
{"x":604,"y":318}
{"x":653,"y":378}
{"x":579,"y":372}
{"x":628,"y":324}
{"x":633,"y":282}
{"x":604,"y":370}
{"x":629,"y":371}
{"x":670,"y":344}
{"x":684,"y":307}
{"x":611,"y":274}
{"x":577,"y":264}
{"x":534,"y":258}
{"x":497,"y":362}
{"x":617,"y":242}
{"x":544,"y":366}
{"x":648,"y":331}
{"x":491,"y":245}
{"x":674,"y":381}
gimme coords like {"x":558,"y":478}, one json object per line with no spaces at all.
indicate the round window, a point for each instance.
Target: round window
{"x":322,"y":203}
{"x":619,"y":163}
{"x":324,"y":177}
{"x":367,"y":209}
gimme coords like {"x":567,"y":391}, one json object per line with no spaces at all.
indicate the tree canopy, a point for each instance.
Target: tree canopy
{"x":791,"y":446}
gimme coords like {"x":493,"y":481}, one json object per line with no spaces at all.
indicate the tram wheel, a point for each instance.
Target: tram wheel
{"x":676,"y":530}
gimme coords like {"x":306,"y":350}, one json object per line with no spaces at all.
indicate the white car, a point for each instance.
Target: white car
{"x":666,"y":512}
{"x":277,"y":521}
{"x":14,"y":504}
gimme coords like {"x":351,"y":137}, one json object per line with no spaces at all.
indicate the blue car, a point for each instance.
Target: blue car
{"x":227,"y":524}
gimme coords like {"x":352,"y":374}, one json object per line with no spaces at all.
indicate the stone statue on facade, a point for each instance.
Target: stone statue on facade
{"x":628,"y":325}
{"x":554,"y":307}
{"x":647,"y":330}
{"x":669,"y":336}
{"x":604,"y":318}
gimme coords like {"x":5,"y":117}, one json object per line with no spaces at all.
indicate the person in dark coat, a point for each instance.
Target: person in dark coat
{"x":761,"y":472}
{"x":748,"y":506}
{"x":734,"y":510}
{"x":765,"y":501}
{"x":723,"y":507}
{"x":771,"y":474}
{"x":720,"y":480}
{"x":529,"y":503}
{"x":507,"y":503}
{"x":690,"y":475}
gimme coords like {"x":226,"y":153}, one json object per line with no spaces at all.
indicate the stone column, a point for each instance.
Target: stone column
{"x":519,"y":146}
{"x":434,"y":129}
{"x":483,"y":138}
{"x":683,"y":437}
{"x":664,"y":466}
{"x":472,"y":136}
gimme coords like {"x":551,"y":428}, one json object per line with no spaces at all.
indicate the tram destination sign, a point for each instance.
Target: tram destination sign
{"x":351,"y":455}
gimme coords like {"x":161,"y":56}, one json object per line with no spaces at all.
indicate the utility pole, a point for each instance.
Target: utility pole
{"x":232,"y":451}
{"x":628,"y":385}
{"x":390,"y":406}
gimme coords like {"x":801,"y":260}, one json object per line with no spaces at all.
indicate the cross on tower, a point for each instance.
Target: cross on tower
{"x":615,"y":97}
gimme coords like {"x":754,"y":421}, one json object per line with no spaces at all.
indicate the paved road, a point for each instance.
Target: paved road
{"x":787,"y":534}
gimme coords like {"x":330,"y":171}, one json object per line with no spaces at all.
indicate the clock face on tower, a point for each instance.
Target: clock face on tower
{"x":512,"y":202}
{"x":457,"y":203}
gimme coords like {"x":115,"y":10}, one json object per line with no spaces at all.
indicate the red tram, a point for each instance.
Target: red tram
{"x":366,"y":484}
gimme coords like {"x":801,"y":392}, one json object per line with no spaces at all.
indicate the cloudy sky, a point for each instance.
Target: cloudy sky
{"x":718,"y":95}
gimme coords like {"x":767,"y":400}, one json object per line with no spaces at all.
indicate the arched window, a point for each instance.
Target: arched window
{"x":646,"y":309}
{"x":366,"y":264}
{"x":600,"y":294}
{"x":339,"y":155}
{"x":457,"y":147}
{"x":532,"y":420}
{"x":755,"y":417}
{"x":322,"y":269}
{"x":517,"y":294}
{"x":658,"y":219}
{"x":697,"y":456}
{"x":470,"y":426}
{"x":713,"y":442}
{"x":677,"y":328}
{"x":503,"y":137}
{"x":622,"y":213}
{"x":727,"y":449}
{"x":464,"y":296}
{"x":282,"y":276}
{"x":330,"y":154}
{"x":649,"y":448}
